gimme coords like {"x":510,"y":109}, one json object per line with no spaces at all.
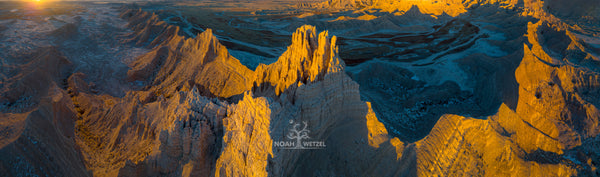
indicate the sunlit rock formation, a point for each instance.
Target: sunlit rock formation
{"x":192,"y":109}
{"x":399,"y":7}
{"x":556,"y":119}
{"x":151,"y":131}
{"x":295,"y":89}
{"x":536,"y":8}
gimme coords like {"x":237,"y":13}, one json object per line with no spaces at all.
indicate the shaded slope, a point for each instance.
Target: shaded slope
{"x":37,"y":119}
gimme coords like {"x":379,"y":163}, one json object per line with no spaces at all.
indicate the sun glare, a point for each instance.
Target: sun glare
{"x":36,"y":4}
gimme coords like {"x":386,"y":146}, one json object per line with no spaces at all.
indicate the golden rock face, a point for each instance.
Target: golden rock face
{"x":246,"y":135}
{"x":544,"y":122}
{"x":399,"y":7}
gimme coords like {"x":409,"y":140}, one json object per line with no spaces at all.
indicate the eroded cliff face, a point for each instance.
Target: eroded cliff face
{"x":194,"y":110}
{"x":549,"y":133}
{"x":247,"y":144}
{"x":200,"y":112}
{"x":181,"y":122}
{"x":178,"y":62}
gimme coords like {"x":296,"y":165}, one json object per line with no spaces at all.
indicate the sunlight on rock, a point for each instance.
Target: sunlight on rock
{"x":377,"y":132}
{"x":300,"y":88}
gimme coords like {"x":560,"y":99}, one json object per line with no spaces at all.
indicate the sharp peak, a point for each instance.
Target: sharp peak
{"x":308,"y":33}
{"x":206,"y":35}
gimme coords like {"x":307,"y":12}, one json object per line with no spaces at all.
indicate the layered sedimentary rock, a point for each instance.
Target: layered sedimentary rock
{"x":158,"y":130}
{"x":201,"y":112}
{"x":178,"y":62}
{"x":307,"y":79}
{"x":551,"y":131}
{"x":247,"y":144}
{"x":468,"y":146}
{"x":194,"y":110}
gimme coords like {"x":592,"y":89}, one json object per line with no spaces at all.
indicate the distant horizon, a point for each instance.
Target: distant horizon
{"x":168,"y":0}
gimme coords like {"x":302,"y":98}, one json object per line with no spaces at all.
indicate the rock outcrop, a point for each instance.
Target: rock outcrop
{"x":194,"y":110}
{"x":554,"y":123}
{"x":158,"y":130}
{"x":170,"y":64}
{"x":178,"y":62}
{"x":201,"y":112}
{"x":468,"y":146}
{"x":247,"y":144}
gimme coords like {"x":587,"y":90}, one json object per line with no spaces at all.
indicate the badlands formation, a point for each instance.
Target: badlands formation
{"x":458,"y":88}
